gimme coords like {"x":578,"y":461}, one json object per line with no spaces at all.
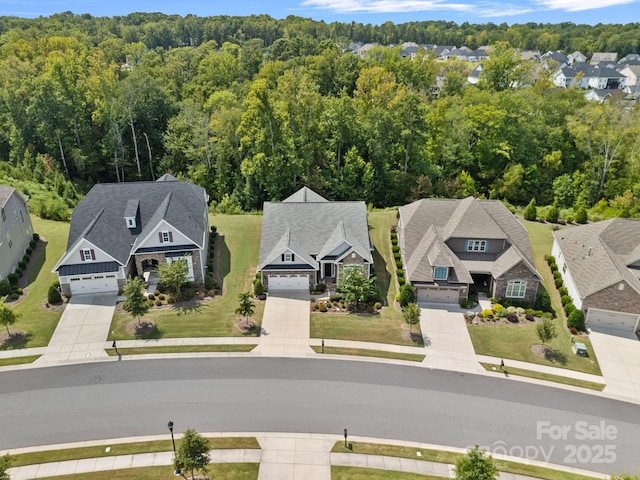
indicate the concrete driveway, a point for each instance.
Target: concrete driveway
{"x":446,"y":339}
{"x":285,"y":324}
{"x":619,"y":360}
{"x":82,"y":329}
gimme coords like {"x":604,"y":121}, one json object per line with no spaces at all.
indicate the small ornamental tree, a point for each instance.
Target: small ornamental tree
{"x":193,"y":453}
{"x":411,"y":315}
{"x":581,"y":215}
{"x":356,"y":287}
{"x":7,"y":315}
{"x":174,"y":274}
{"x":53,"y":295}
{"x":531,"y":212}
{"x":246,"y":308}
{"x":5,"y":465}
{"x":136,"y":303}
{"x":407,"y":295}
{"x":476,"y":465}
{"x":553,"y":214}
{"x":546,"y":330}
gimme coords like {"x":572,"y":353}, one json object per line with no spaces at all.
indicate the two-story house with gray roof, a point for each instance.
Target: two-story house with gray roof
{"x":122,"y":230}
{"x":16,"y":230}
{"x":600,"y":266}
{"x":450,"y":246}
{"x":307,"y":240}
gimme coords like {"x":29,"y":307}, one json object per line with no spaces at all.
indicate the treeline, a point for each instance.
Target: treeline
{"x":253,"y":117}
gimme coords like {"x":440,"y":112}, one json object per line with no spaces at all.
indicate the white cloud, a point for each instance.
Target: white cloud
{"x":576,"y":6}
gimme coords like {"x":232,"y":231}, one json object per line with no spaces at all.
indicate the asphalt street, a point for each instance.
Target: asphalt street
{"x":134,"y":398}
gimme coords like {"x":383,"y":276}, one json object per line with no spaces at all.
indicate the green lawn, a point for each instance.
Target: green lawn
{"x":409,"y":357}
{"x":219,"y":471}
{"x":387,"y":326}
{"x":515,"y":341}
{"x":151,"y":350}
{"x":35,"y":319}
{"x":491,"y":367}
{"x":5,"y":362}
{"x":360,"y":473}
{"x":384,"y":327}
{"x":238,"y":262}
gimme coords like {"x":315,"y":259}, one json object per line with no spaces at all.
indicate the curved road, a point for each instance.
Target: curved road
{"x":132,"y":398}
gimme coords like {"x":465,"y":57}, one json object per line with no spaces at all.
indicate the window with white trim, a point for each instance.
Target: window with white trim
{"x":440,"y":273}
{"x":166,"y":237}
{"x":477,"y":245}
{"x":516,"y":289}
{"x":86,"y":254}
{"x":288,"y":257}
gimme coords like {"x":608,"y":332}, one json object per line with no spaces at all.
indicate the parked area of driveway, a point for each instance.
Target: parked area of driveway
{"x":82,"y":329}
{"x":619,"y":360}
{"x":446,"y":339}
{"x":285,"y":324}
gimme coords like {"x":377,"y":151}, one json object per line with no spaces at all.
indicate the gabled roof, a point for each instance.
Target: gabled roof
{"x":603,"y":57}
{"x":428,"y":224}
{"x":99,"y":217}
{"x":314,"y":227}
{"x":598,"y":254}
{"x":6,"y":192}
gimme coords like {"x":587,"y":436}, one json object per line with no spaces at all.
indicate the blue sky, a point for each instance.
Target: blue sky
{"x":365,"y":11}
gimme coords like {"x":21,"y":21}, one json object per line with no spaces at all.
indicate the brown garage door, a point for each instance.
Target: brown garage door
{"x":437,"y":295}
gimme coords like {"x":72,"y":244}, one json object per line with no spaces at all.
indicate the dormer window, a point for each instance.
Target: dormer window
{"x":86,"y":255}
{"x":477,"y":245}
{"x":288,"y":257}
{"x":440,"y":273}
{"x":165,"y":237}
{"x":131,"y":222}
{"x":131,"y":213}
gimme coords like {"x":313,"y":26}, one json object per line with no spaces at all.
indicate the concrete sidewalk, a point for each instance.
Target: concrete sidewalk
{"x":283,"y":456}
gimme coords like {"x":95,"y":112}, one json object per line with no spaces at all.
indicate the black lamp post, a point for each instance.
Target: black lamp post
{"x":175,"y":455}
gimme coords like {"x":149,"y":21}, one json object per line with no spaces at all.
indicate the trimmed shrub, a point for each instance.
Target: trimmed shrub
{"x":19,"y":291}
{"x":573,"y":330}
{"x":531,"y":212}
{"x":14,"y":296}
{"x":208,"y":282}
{"x":171,"y":300}
{"x":543,"y":301}
{"x":150,"y":303}
{"x":569,"y":308}
{"x":486,"y":313}
{"x":395,"y":249}
{"x":336,"y":297}
{"x":399,"y":264}
{"x":322,"y":307}
{"x":563,"y":291}
{"x":29,"y":249}
{"x":401,"y":281}
{"x":512,"y":317}
{"x":162,"y":297}
{"x":18,"y":272}
{"x":565,"y":299}
{"x":36,"y":236}
{"x":397,"y":256}
{"x":378,"y":305}
{"x":576,"y":320}
{"x":553,"y":214}
{"x":151,"y":296}
{"x":316,"y":306}
{"x":258,"y":288}
{"x":529,"y":317}
{"x":496,"y":306}
{"x":158,"y":303}
{"x":556,"y":275}
{"x":53,"y":295}
{"x":13,"y":278}
{"x":5,"y":288}
{"x":570,"y":218}
{"x":581,"y":215}
{"x":558,"y":282}
{"x":407,"y":295}
{"x":329,"y":305}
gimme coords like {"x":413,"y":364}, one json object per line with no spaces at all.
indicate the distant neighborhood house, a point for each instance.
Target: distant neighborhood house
{"x":16,"y":230}
{"x":123,"y":230}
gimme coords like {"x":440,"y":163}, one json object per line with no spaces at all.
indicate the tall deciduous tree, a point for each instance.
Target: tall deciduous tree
{"x":193,"y":454}
{"x":136,"y":302}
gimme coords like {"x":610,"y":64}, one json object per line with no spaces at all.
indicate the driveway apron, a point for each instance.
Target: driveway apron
{"x":446,"y":339}
{"x":82,"y":330}
{"x":619,"y":360}
{"x":285,"y":324}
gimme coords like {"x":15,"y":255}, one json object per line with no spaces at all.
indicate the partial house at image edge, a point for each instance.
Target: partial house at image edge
{"x":600,"y":266}
{"x":122,"y":230}
{"x":307,"y":240}
{"x":450,"y":247}
{"x":16,"y":229}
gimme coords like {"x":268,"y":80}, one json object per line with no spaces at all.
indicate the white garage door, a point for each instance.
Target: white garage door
{"x":613,"y":323}
{"x":288,"y":282}
{"x":93,"y":284}
{"x":437,"y":295}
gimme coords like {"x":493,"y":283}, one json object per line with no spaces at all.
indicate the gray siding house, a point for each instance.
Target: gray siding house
{"x":307,"y":240}
{"x":600,"y":266}
{"x":450,"y":246}
{"x":16,"y":230}
{"x":122,"y":230}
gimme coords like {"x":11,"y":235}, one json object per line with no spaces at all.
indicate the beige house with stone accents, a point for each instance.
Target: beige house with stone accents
{"x":123,"y":230}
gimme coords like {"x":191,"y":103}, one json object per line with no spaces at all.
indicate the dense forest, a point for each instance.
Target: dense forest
{"x":251,"y":108}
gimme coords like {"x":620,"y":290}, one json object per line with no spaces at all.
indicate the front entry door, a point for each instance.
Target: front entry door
{"x":328,"y":270}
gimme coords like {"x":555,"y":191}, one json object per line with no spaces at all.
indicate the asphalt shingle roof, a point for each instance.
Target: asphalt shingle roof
{"x":598,"y":254}
{"x":429,"y":223}
{"x":312,"y":226}
{"x":99,"y":217}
